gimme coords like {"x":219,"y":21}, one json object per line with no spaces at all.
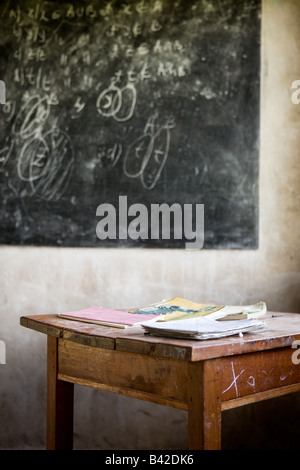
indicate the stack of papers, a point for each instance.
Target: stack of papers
{"x":202,"y":328}
{"x":181,"y":318}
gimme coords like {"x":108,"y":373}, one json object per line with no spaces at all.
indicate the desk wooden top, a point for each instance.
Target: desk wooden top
{"x":283,"y":329}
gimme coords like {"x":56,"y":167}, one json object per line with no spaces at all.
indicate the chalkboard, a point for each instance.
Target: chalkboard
{"x":156,"y":101}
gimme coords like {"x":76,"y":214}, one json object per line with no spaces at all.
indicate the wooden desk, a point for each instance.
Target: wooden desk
{"x":202,"y":377}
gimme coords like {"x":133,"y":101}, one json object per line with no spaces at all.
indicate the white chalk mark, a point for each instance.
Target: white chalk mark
{"x":268,"y":375}
{"x":46,"y":162}
{"x":234,"y":382}
{"x":117,"y":102}
{"x":147,"y":155}
{"x":5,"y":153}
{"x":31,"y":117}
{"x":251,"y":381}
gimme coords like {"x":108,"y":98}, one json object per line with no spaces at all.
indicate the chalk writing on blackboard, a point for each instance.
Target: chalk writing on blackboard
{"x":45,"y":159}
{"x":147,"y":155}
{"x":157,"y":101}
{"x":118,"y":103}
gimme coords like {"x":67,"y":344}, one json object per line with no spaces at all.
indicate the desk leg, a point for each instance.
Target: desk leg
{"x":204,"y":406}
{"x":60,"y":398}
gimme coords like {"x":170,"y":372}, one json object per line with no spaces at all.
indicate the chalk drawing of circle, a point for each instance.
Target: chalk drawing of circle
{"x":31,"y":161}
{"x":109,"y":101}
{"x":137,"y":156}
{"x":157,"y":159}
{"x":126,"y":110}
{"x":59,"y":166}
{"x":31,"y":116}
{"x":47,"y":164}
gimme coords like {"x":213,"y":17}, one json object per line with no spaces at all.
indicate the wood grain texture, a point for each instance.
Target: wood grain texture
{"x":161,"y":380}
{"x":258,"y":372}
{"x":283,"y":329}
{"x":60,"y":402}
{"x":202,"y":377}
{"x":261,"y":396}
{"x":204,"y":406}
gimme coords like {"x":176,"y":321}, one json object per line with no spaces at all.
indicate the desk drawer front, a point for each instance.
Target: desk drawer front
{"x":161,"y":380}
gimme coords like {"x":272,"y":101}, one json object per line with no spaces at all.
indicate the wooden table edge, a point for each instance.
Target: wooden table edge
{"x":34,"y":323}
{"x":188,"y":350}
